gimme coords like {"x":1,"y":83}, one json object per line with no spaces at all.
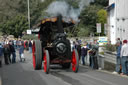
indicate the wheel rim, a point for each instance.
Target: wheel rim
{"x":33,"y":54}
{"x":74,"y":62}
{"x":45,"y":62}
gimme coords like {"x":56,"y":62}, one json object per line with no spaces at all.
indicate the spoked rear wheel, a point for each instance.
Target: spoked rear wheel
{"x":46,"y":61}
{"x":75,"y":61}
{"x":37,"y":54}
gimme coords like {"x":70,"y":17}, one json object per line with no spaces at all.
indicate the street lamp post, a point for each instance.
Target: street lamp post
{"x":28,"y":16}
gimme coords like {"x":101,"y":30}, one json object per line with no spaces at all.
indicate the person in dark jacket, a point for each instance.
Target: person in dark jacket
{"x":84,"y":51}
{"x":6,"y":53}
{"x":26,"y":45}
{"x":118,"y":59}
{"x":1,"y":54}
{"x":13,"y":52}
{"x":94,"y":55}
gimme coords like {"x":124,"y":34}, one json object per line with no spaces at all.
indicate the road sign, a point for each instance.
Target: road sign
{"x":29,"y":32}
{"x":103,"y":40}
{"x":98,"y":26}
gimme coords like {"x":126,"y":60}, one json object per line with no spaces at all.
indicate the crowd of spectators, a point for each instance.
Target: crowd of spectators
{"x":84,"y":48}
{"x":122,"y":57}
{"x":8,"y":49}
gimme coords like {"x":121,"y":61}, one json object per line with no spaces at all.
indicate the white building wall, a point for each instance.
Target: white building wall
{"x":122,"y":23}
{"x":126,"y":19}
{"x":112,"y":26}
{"x":112,"y":23}
{"x":118,"y":17}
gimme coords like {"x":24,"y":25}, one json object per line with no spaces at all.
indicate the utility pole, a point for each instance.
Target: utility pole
{"x":28,"y":16}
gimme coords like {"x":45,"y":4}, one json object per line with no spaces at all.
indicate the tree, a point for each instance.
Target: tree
{"x":15,"y":26}
{"x":20,"y":24}
{"x":83,"y":31}
{"x":102,"y":16}
{"x":91,"y":15}
{"x":8,"y":9}
{"x":88,"y":17}
{"x":11,"y":8}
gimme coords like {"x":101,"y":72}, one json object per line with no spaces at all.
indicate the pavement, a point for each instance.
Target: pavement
{"x":22,"y":73}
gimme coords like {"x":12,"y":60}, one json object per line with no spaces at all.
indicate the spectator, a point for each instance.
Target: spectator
{"x":84,"y":50}
{"x":78,"y":47}
{"x":21,"y":51}
{"x":124,"y":56}
{"x":13,"y":52}
{"x":30,"y":46}
{"x":118,"y":59}
{"x":73,"y":46}
{"x":26,"y":45}
{"x":89,"y":45}
{"x":93,"y":55}
{"x":118,"y":41}
{"x":6,"y":53}
{"x":18,"y":43}
{"x":1,"y":54}
{"x":14,"y":44}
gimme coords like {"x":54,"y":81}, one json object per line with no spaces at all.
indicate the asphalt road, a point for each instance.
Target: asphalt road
{"x":22,"y":73}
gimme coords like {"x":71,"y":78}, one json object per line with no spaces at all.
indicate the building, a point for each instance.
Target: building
{"x":117,"y":20}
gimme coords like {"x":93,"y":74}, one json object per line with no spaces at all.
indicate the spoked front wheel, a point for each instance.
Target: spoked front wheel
{"x":75,"y":61}
{"x":46,"y":62}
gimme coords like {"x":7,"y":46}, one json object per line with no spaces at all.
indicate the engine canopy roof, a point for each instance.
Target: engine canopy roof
{"x":66,"y":22}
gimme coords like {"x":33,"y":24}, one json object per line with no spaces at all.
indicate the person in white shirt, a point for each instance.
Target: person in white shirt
{"x":124,"y":56}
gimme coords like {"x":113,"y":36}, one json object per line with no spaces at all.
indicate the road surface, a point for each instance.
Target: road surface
{"x":22,"y":73}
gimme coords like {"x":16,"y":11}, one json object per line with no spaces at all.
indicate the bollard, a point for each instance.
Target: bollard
{"x":101,"y":61}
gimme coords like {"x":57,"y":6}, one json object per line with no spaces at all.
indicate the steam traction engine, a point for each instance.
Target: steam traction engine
{"x":53,"y":47}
